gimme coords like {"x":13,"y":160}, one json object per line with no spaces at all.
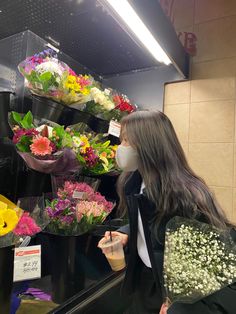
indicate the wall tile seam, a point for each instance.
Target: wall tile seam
{"x":214,"y":60}
{"x":201,"y":101}
{"x":213,"y":19}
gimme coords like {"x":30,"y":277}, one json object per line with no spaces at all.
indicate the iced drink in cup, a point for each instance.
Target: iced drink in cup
{"x":114,"y":252}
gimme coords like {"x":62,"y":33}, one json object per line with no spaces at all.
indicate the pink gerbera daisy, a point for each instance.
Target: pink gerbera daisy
{"x":41,"y":146}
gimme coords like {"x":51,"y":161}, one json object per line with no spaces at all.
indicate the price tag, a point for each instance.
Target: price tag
{"x":114,"y":128}
{"x":27,"y":263}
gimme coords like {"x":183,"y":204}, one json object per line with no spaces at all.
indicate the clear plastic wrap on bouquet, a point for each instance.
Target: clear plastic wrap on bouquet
{"x":199,"y":260}
{"x":76,"y":209}
{"x":17,"y":223}
{"x":48,"y":77}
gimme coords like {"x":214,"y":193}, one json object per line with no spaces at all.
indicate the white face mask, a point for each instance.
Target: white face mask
{"x":127,"y":158}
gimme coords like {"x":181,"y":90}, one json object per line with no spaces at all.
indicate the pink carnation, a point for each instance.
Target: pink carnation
{"x":26,"y":226}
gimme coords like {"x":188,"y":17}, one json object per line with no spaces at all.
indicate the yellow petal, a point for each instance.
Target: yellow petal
{"x":104,"y":159}
{"x":10,"y":220}
{"x":1,"y":221}
{"x":3,"y":205}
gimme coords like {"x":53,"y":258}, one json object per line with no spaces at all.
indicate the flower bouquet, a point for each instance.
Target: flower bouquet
{"x":108,"y":105}
{"x":45,"y":149}
{"x":48,"y":77}
{"x":123,"y":107}
{"x":96,"y":156}
{"x":199,"y":260}
{"x":100,"y":102}
{"x":94,"y":153}
{"x":76,"y":210}
{"x":15,"y":224}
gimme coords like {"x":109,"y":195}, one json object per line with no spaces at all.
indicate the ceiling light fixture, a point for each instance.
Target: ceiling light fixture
{"x":130,"y":17}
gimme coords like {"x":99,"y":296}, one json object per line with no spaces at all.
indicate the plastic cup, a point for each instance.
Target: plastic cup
{"x":114,"y":252}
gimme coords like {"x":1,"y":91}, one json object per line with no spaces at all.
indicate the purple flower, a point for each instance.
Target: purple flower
{"x":67,"y":219}
{"x":61,"y":206}
{"x":62,"y":211}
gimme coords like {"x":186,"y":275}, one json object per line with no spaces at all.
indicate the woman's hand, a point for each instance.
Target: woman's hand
{"x":124,"y":237}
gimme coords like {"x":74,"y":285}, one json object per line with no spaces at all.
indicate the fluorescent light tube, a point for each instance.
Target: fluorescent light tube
{"x":130,"y":17}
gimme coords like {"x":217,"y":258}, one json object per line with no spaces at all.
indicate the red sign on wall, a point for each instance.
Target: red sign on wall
{"x":188,"y":39}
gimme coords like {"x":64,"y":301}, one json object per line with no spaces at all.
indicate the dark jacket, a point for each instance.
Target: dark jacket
{"x":223,"y":301}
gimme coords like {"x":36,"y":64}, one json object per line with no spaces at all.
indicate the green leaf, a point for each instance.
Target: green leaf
{"x":46,"y":76}
{"x":59,"y":131}
{"x":22,"y":148}
{"x":27,"y":121}
{"x":16,"y":117}
{"x":106,"y":144}
{"x":67,"y":140}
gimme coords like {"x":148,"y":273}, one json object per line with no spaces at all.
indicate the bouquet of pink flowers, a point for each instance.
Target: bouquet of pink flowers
{"x":77,"y":209}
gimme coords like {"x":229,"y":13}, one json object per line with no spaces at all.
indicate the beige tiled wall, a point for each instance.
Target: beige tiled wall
{"x":202,"y":110}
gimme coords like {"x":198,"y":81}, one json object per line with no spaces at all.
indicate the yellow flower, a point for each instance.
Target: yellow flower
{"x":85,"y":91}
{"x":114,"y":147}
{"x":71,"y":79}
{"x":77,"y":87}
{"x":3,"y":205}
{"x":84,"y":143}
{"x":104,"y":159}
{"x":8,"y":221}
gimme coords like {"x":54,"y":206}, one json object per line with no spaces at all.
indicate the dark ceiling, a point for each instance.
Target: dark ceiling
{"x":85,"y":31}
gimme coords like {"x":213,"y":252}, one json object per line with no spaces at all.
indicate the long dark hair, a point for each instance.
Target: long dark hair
{"x":170,"y":183}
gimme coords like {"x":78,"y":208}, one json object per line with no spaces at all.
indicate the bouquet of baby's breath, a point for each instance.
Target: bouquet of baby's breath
{"x":199,"y":260}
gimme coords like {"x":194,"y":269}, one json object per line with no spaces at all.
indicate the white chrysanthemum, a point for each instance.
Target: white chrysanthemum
{"x":50,"y":66}
{"x":76,"y":141}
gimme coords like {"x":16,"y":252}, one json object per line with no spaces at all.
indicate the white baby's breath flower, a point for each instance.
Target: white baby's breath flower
{"x":196,"y":263}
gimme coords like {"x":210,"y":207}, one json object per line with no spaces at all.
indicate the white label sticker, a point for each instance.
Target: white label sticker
{"x":114,"y":128}
{"x":38,"y":85}
{"x":27,"y":263}
{"x":79,"y":195}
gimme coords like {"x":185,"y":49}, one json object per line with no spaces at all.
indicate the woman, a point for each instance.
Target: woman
{"x":156,"y":185}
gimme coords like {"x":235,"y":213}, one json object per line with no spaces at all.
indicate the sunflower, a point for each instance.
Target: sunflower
{"x":8,"y":220}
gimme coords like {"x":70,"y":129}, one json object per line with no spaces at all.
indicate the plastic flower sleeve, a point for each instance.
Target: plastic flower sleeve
{"x":76,"y":209}
{"x":48,"y":77}
{"x":12,"y":231}
{"x":35,"y":206}
{"x":65,"y":162}
{"x":43,"y":147}
{"x":199,"y":260}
